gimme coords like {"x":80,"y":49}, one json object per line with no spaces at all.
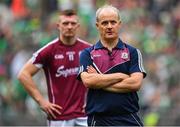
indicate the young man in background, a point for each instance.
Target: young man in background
{"x":60,"y":61}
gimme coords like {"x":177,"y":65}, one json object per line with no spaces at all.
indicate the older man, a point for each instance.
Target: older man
{"x":113,"y":72}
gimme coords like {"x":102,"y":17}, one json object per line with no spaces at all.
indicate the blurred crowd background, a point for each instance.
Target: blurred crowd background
{"x":153,"y":26}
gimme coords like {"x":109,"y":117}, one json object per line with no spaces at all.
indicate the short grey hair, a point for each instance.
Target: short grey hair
{"x":106,"y":7}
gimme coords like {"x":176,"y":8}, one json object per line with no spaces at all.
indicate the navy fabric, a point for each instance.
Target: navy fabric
{"x":118,"y":120}
{"x":123,"y":58}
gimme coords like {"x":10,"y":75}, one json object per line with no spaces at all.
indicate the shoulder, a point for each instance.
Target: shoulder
{"x":130,"y":47}
{"x":133,"y":50}
{"x":87,"y":50}
{"x":83,"y":43}
{"x":49,"y":46}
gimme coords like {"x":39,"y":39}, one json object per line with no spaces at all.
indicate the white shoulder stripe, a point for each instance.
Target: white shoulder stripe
{"x":50,"y":43}
{"x":81,"y":69}
{"x":97,"y":68}
{"x":84,"y":41}
{"x":33,"y":58}
{"x":51,"y":87}
{"x":140,"y":61}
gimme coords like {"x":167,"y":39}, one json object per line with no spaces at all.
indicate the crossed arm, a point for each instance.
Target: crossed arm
{"x":116,"y":82}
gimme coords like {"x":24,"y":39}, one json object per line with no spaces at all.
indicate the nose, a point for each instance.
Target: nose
{"x":69,"y":26}
{"x":109,"y":25}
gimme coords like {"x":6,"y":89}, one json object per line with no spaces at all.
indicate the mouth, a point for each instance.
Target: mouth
{"x":109,"y":33}
{"x":69,"y":32}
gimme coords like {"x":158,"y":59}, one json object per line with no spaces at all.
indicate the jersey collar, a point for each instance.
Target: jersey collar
{"x":99,"y":45}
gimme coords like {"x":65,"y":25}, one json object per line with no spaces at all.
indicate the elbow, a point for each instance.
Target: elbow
{"x":21,"y":76}
{"x":88,"y":80}
{"x":137,"y":88}
{"x":87,"y":83}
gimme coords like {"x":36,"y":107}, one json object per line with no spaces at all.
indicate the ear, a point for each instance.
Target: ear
{"x":78,"y":25}
{"x":119,"y":24}
{"x":57,"y":24}
{"x":97,"y":25}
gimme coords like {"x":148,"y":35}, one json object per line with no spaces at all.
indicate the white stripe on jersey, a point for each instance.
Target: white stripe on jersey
{"x":51,"y":87}
{"x":33,"y":58}
{"x":84,"y":42}
{"x":97,"y":68}
{"x":51,"y":42}
{"x":81,"y":69}
{"x":140,"y":61}
{"x":38,"y":65}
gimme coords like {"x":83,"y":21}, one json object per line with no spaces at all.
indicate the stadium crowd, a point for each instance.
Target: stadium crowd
{"x":151,"y":25}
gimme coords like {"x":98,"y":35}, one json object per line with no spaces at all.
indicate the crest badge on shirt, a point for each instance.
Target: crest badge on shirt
{"x":124,"y":55}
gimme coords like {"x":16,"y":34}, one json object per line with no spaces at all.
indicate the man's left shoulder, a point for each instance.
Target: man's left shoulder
{"x":84,"y":43}
{"x":130,"y":46}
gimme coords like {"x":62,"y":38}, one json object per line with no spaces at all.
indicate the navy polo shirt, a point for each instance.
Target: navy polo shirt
{"x":123,"y":58}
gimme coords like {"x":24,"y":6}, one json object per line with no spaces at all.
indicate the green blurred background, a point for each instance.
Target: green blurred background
{"x":151,"y":25}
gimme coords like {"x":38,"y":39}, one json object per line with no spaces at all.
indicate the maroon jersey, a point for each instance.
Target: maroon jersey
{"x":60,"y":64}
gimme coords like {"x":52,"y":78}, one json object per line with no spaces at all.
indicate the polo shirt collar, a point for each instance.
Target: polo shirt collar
{"x":99,"y":45}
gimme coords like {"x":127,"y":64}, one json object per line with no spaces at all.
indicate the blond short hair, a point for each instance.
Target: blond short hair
{"x":106,"y":7}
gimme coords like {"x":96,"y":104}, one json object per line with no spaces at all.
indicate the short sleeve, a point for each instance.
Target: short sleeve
{"x":41,"y":57}
{"x":84,"y":61}
{"x":136,"y":63}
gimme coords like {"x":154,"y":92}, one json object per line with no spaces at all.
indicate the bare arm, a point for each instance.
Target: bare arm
{"x":92,"y":79}
{"x":126,"y":84}
{"x":25,"y":77}
{"x":133,"y":83}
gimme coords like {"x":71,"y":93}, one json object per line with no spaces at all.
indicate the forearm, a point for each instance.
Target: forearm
{"x":117,"y":90}
{"x":133,"y":83}
{"x":121,"y":87}
{"x":95,"y":80}
{"x":30,"y":86}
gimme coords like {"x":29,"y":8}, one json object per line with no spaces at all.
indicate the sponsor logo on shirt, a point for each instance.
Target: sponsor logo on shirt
{"x":66,"y":72}
{"x":59,"y":56}
{"x":96,"y":55}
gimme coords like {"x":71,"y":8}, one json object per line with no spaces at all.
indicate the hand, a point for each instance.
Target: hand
{"x":50,"y":109}
{"x":84,"y":106}
{"x":91,"y":69}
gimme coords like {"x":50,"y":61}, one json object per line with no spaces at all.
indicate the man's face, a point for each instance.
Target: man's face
{"x":68,"y":25}
{"x":108,"y":24}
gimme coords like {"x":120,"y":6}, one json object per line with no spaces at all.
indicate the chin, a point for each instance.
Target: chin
{"x":70,"y":35}
{"x":110,"y":38}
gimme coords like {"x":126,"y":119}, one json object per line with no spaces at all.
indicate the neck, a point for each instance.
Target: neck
{"x":68,"y":40}
{"x":109,"y":44}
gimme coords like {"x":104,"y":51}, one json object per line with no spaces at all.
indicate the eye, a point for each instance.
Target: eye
{"x":104,"y":23}
{"x":65,"y":23}
{"x":73,"y":23}
{"x":69,"y":23}
{"x":113,"y":22}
